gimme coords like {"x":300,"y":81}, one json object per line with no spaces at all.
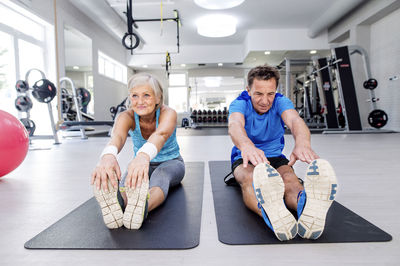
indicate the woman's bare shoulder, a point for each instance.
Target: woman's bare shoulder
{"x":126,"y":119}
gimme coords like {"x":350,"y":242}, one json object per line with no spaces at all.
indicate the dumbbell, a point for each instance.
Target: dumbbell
{"x":22,"y":86}
{"x":29,"y":125}
{"x":23,"y":103}
{"x":370,"y":84}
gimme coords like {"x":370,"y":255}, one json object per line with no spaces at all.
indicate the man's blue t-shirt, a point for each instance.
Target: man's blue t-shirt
{"x":266,"y":131}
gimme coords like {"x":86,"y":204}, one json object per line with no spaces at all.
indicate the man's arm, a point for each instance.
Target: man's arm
{"x":242,"y":142}
{"x":302,"y":150}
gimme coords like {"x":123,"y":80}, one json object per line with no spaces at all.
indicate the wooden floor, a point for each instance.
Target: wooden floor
{"x":52,"y":182}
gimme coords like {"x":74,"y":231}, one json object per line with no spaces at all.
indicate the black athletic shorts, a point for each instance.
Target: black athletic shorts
{"x":275,"y":162}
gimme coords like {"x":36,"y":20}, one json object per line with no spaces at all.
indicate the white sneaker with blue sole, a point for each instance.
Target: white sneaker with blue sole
{"x":320,"y":187}
{"x":269,"y":189}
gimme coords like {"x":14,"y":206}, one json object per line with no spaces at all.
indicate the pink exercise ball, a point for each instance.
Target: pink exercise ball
{"x":14,"y":143}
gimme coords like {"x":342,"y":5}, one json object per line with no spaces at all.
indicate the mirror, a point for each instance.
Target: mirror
{"x":78,"y":65}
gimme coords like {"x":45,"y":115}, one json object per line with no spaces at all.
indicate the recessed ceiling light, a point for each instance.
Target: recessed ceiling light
{"x":220,"y":64}
{"x":218,"y":4}
{"x":216,"y":26}
{"x":313,"y":51}
{"x":145,"y":66}
{"x":183,"y":65}
{"x":75,"y":67}
{"x":267,"y":52}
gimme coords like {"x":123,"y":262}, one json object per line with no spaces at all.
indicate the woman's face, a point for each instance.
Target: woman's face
{"x":143,"y":99}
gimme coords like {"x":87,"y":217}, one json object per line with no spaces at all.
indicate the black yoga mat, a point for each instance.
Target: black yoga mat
{"x":237,"y":225}
{"x":173,"y":225}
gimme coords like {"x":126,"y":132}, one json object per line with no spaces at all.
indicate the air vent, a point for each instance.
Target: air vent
{"x":238,"y":64}
{"x":201,"y":64}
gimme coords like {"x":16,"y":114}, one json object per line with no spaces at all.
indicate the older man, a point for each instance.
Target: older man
{"x":268,"y":183}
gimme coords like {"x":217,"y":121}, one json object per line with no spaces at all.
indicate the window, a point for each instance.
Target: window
{"x":30,"y":56}
{"x":26,"y":42}
{"x":178,"y":92}
{"x":7,"y":74}
{"x":177,"y":97}
{"x":177,"y":80}
{"x":112,"y":69}
{"x":20,"y":20}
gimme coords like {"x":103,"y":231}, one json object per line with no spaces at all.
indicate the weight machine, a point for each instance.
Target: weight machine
{"x":341,"y":68}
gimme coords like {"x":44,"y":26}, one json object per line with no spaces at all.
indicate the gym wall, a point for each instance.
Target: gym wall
{"x":371,"y":26}
{"x":385,"y":61}
{"x":107,"y":92}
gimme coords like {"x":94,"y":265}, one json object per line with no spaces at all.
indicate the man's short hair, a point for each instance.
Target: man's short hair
{"x":264,"y":72}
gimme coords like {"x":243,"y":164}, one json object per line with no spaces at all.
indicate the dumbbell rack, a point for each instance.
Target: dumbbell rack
{"x":209,"y":118}
{"x":22,"y":87}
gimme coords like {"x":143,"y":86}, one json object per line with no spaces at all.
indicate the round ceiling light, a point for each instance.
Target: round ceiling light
{"x":216,"y":26}
{"x":218,"y":4}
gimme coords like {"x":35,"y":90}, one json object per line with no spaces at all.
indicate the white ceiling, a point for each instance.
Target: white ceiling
{"x":284,"y":19}
{"x":252,"y":14}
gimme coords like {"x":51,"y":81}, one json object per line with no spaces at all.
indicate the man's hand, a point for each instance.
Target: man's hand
{"x":302,"y":153}
{"x":138,"y":170}
{"x":254,"y":155}
{"x":107,"y":168}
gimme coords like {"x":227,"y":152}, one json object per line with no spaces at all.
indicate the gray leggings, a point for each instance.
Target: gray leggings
{"x":163,"y":174}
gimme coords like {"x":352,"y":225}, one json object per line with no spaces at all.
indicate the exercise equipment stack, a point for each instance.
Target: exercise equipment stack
{"x":209,"y":118}
{"x":72,"y":105}
{"x":326,"y":97}
{"x":74,"y":113}
{"x":115,"y":110}
{"x":68,"y":106}
{"x":43,"y":91}
{"x":348,"y":99}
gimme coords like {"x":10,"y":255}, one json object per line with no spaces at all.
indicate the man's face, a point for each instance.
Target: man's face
{"x":262,"y":93}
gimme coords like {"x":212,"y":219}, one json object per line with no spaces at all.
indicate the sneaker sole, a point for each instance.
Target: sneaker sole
{"x":320,"y":185}
{"x":110,"y":208}
{"x":133,"y":215}
{"x":270,"y":189}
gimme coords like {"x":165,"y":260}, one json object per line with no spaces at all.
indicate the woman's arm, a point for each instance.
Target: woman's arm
{"x":139,"y":167}
{"x":107,"y":167}
{"x":166,"y":126}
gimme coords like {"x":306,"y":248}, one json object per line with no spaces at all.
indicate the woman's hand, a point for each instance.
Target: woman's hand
{"x":138,"y":171}
{"x":107,"y":168}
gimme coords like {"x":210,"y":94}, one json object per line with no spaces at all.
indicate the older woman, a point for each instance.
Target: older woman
{"x":157,"y":164}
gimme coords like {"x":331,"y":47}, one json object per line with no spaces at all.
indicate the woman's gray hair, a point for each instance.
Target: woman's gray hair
{"x":147,"y":79}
